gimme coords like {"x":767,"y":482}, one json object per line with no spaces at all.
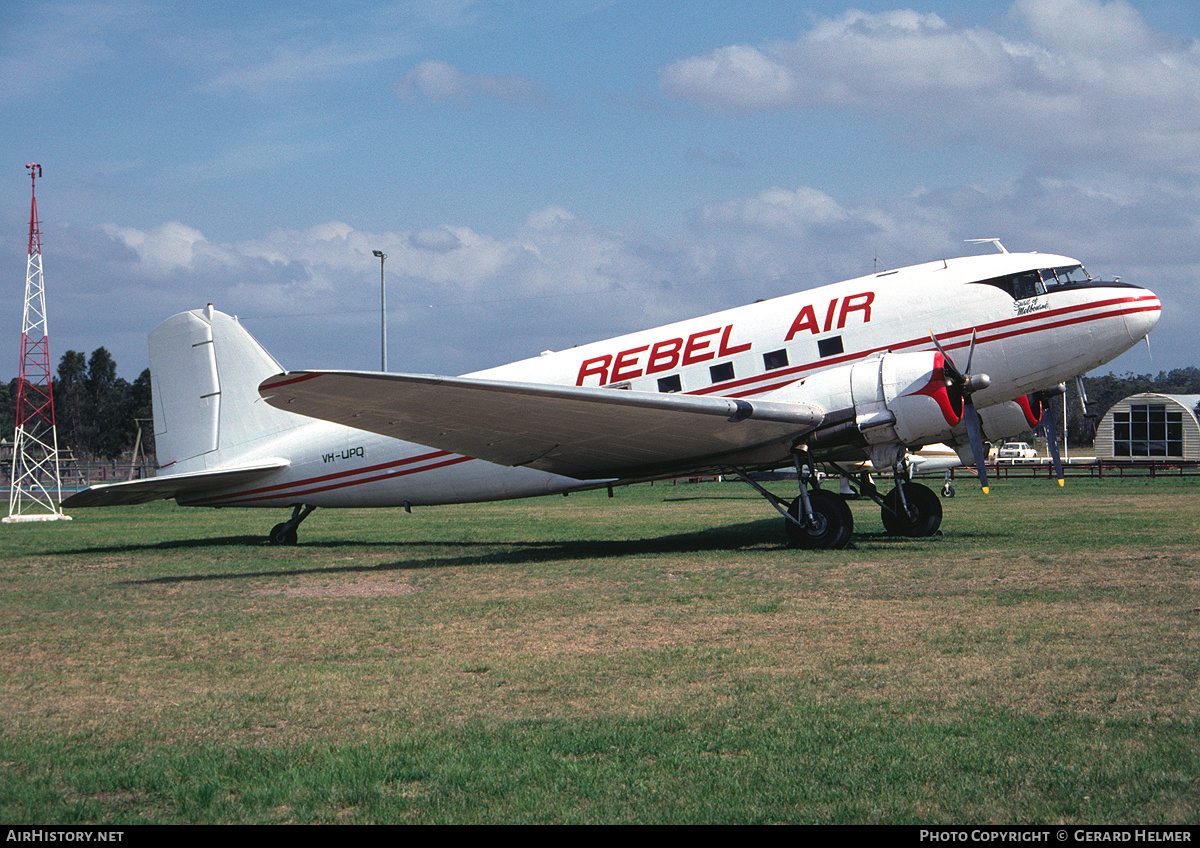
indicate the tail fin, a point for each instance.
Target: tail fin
{"x":205,"y":370}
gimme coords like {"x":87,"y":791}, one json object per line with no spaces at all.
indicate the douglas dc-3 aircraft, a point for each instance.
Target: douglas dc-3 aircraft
{"x":955,"y":351}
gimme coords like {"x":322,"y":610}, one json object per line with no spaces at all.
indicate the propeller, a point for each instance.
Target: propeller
{"x":1084,"y":405}
{"x":1051,"y":424}
{"x":967,"y":384}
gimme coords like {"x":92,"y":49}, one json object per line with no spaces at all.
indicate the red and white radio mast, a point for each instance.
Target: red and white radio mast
{"x":36,"y":488}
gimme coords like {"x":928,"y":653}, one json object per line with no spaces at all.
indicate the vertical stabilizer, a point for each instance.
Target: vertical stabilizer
{"x":205,"y":370}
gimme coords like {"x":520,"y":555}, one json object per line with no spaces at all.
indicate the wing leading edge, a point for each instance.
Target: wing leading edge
{"x":582,"y":432}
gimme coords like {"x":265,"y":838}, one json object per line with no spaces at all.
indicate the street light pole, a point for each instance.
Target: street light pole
{"x":382,"y":313}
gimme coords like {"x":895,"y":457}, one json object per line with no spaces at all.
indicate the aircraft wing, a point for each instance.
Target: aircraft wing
{"x":583,"y":432}
{"x":169,"y":486}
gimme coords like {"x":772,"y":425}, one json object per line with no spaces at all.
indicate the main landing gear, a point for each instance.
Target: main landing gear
{"x":817,"y":519}
{"x":285,"y":533}
{"x":828,"y":523}
{"x":820,"y":519}
{"x":911,"y":509}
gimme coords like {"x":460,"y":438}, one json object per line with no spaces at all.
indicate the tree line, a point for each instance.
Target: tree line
{"x":1106,"y":391}
{"x":95,"y":411}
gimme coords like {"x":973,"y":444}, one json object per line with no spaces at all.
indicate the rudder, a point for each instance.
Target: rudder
{"x":204,"y":371}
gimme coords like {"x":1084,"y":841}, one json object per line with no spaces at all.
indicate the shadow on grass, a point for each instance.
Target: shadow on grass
{"x":763,"y":534}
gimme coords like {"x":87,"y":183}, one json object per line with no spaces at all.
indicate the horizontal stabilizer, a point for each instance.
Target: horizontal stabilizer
{"x":178,"y":486}
{"x":581,"y":432}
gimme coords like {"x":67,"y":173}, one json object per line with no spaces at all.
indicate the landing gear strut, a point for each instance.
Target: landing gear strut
{"x":285,"y":533}
{"x":817,"y":519}
{"x":911,"y":509}
{"x":829,"y":526}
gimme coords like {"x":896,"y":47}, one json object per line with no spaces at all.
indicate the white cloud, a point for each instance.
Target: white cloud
{"x":777,"y":209}
{"x":1088,"y":80}
{"x":1087,"y":25}
{"x":436,"y":239}
{"x":289,"y":64}
{"x":441,"y":81}
{"x":461,"y":299}
{"x":169,"y":247}
{"x":260,"y":57}
{"x":732,"y":77}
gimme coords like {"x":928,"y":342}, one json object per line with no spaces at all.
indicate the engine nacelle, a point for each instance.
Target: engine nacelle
{"x":1009,"y":418}
{"x":1016,"y":416}
{"x":917,"y":393}
{"x":896,"y":398}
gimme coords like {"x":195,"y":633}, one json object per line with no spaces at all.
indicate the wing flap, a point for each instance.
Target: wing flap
{"x":580,"y":432}
{"x":169,"y":486}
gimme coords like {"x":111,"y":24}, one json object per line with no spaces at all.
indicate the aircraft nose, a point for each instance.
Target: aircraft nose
{"x":1142,"y":313}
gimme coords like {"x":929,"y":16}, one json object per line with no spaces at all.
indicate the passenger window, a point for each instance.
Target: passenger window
{"x":775,"y":359}
{"x":830,"y":347}
{"x":721,"y":373}
{"x":670,"y":384}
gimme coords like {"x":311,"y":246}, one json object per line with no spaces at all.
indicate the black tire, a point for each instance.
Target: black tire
{"x":281,"y":535}
{"x":833,"y":523}
{"x":926,"y":512}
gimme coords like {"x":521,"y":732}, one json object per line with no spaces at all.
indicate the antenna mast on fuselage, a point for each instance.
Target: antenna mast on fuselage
{"x":992,"y":241}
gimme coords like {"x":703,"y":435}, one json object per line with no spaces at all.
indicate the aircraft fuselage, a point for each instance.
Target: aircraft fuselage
{"x":1028,"y":338}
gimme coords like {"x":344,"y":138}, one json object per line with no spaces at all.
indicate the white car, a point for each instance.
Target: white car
{"x":1017,"y":451}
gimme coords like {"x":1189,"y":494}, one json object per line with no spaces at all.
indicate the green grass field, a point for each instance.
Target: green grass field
{"x":658,"y":657}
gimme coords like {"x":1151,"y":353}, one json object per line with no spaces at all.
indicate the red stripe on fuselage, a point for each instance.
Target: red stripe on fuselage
{"x":297,"y":487}
{"x":794,"y":373}
{"x":298,"y":495}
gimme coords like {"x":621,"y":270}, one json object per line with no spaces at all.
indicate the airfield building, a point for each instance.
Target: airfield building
{"x":1151,"y":426}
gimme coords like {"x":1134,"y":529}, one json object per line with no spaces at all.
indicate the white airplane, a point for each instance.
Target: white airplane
{"x":937,"y":457}
{"x":920,"y":462}
{"x":857,"y":370}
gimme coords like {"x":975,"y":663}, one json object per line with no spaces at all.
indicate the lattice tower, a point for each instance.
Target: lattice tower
{"x":36,"y":489}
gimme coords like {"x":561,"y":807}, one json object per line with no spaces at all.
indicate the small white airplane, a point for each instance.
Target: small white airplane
{"x":858,"y":370}
{"x":920,"y":462}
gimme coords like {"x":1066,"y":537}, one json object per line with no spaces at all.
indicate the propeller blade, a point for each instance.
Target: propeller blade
{"x":968,"y":384}
{"x":1052,"y":437}
{"x":1084,"y":405}
{"x":1050,"y":423}
{"x":971,"y":419}
{"x":961,"y":378}
{"x":949,"y":366}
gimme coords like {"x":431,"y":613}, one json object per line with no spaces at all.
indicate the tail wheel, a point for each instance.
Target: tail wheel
{"x":924,"y":514}
{"x":831,"y":527}
{"x":281,"y":534}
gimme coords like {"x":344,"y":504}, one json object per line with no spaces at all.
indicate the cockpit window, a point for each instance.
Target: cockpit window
{"x":1033,"y":283}
{"x":1071,"y":275}
{"x":1019,"y":286}
{"x":1026,"y":285}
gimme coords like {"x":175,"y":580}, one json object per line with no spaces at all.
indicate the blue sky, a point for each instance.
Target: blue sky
{"x":543,"y":174}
